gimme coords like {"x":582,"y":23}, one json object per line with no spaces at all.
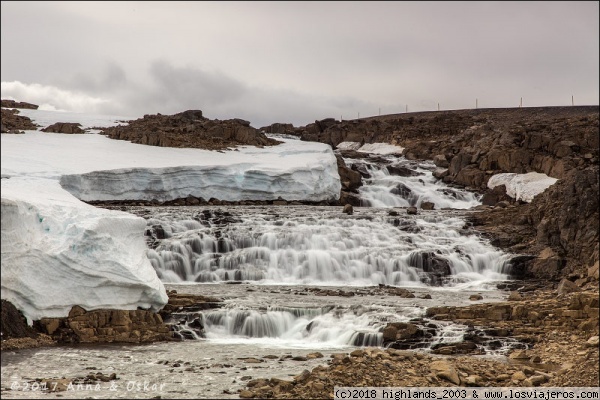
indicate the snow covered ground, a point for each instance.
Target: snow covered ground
{"x":522,"y":186}
{"x":58,"y":252}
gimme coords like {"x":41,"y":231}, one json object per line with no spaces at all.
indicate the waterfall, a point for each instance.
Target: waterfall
{"x":407,"y":184}
{"x":325,"y":248}
{"x":301,"y":326}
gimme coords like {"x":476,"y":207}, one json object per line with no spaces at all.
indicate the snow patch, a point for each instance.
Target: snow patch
{"x":94,"y":167}
{"x":373,"y":148}
{"x":58,"y":252}
{"x":522,"y":186}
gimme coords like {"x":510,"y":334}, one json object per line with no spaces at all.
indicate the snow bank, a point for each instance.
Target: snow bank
{"x":94,"y":167}
{"x":58,"y":252}
{"x":522,"y":186}
{"x":373,"y":148}
{"x":348,"y":146}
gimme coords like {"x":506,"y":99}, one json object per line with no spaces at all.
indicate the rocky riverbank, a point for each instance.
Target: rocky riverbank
{"x":98,"y":326}
{"x":558,"y":232}
{"x":559,"y":328}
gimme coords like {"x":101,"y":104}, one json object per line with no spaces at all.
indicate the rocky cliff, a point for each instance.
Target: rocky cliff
{"x":558,"y":230}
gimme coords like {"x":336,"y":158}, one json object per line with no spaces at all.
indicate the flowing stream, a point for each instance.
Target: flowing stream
{"x":293,"y":279}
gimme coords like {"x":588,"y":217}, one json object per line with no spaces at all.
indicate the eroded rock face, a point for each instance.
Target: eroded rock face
{"x":189,"y":129}
{"x":13,"y":324}
{"x":475,"y":144}
{"x":470,"y":146}
{"x":106,"y":326}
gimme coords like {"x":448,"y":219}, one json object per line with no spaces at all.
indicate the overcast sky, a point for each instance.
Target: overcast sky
{"x":298,"y":61}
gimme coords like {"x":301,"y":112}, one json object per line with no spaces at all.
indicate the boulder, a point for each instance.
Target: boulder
{"x":348,"y":209}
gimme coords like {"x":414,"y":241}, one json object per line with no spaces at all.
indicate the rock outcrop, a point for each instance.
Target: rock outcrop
{"x":17,"y":104}
{"x":470,"y":146}
{"x":14,"y":123}
{"x":64,"y":127}
{"x":106,"y":326}
{"x":189,"y":129}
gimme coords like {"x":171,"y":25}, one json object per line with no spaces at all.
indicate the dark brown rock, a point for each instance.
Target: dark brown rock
{"x":64,"y":127}
{"x":13,"y":324}
{"x":18,"y":104}
{"x":189,"y":129}
{"x":14,"y":123}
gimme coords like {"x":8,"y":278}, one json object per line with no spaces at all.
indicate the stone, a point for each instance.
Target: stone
{"x":519,"y":355}
{"x":246,"y":394}
{"x":444,"y":370}
{"x":76,"y":311}
{"x":519,"y":376}
{"x":348,"y":209}
{"x":427,"y":205}
{"x":475,"y":297}
{"x":64,"y":127}
{"x":593,"y":271}
{"x":411,"y":210}
{"x":566,"y":286}
{"x":515,"y":296}
{"x":592,"y":342}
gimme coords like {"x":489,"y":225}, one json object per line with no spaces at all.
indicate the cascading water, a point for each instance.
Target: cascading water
{"x":321,"y":246}
{"x":404,"y":183}
{"x":330,"y":326}
{"x":325,"y":248}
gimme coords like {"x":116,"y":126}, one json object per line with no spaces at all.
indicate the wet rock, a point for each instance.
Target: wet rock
{"x":411,"y":210}
{"x":348,"y":209}
{"x":399,"y":170}
{"x":401,"y":190}
{"x":427,"y":205}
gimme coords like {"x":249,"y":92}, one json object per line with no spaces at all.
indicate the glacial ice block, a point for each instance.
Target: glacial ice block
{"x":58,"y":252}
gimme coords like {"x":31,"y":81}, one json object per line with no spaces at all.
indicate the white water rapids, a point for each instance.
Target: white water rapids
{"x":301,"y":246}
{"x":321,"y":246}
{"x":301,"y":279}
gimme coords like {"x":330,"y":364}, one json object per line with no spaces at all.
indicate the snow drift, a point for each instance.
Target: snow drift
{"x":58,"y":252}
{"x":522,"y":186}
